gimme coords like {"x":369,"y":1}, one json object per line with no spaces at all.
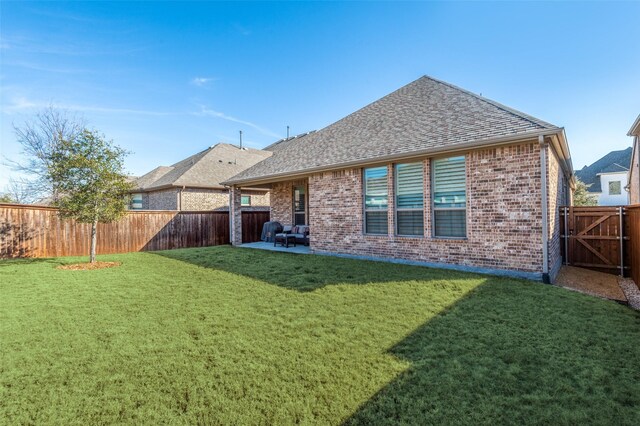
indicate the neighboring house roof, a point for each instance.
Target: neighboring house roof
{"x":426,"y":115}
{"x":607,"y":164}
{"x":614,"y":168}
{"x":206,"y":169}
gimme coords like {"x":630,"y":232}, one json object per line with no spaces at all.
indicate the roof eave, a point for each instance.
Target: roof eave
{"x":635,"y":128}
{"x":502,"y":140}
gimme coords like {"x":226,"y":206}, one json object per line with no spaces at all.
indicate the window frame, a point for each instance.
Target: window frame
{"x":619,"y":182}
{"x":364,"y":201}
{"x":432,"y":190}
{"x":395,"y":201}
{"x":305,"y":206}
{"x":242,"y":204}
{"x":134,"y":201}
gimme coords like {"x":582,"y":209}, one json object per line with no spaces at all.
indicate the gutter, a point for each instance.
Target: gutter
{"x":484,"y":143}
{"x":545,"y":210}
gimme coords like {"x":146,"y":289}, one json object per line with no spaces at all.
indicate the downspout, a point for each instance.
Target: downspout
{"x":545,"y":208}
{"x":180,"y":198}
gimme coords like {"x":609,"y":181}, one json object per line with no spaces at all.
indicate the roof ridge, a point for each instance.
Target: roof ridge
{"x":505,"y":108}
{"x":288,"y":139}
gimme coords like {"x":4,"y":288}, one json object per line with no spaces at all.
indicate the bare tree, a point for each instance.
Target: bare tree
{"x":17,"y":192}
{"x":40,"y":140}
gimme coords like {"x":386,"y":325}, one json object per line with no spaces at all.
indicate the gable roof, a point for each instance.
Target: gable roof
{"x":426,"y":115}
{"x":612,"y":162}
{"x":206,"y":169}
{"x":614,"y":168}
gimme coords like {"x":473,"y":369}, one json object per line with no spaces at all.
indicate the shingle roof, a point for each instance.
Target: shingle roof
{"x":609,"y":163}
{"x":614,"y":168}
{"x":206,"y":169}
{"x":424,"y":115}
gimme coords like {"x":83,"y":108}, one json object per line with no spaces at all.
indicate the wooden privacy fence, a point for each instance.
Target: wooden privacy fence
{"x":605,"y":239}
{"x":30,"y":231}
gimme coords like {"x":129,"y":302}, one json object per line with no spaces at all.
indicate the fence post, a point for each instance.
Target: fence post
{"x":621,"y":213}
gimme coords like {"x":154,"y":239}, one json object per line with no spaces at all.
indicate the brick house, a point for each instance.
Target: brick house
{"x":431,"y":174}
{"x":194,"y":183}
{"x":634,"y":168}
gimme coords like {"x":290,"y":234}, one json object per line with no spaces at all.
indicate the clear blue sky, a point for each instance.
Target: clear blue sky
{"x":166,"y":80}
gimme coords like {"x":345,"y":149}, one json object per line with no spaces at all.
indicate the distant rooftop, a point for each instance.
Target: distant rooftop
{"x":206,"y":169}
{"x":610,"y":163}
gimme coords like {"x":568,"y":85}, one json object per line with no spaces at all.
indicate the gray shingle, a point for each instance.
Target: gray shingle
{"x":206,"y":169}
{"x":425,"y":114}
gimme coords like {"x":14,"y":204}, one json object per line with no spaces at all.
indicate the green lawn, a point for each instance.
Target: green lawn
{"x":236,"y":336}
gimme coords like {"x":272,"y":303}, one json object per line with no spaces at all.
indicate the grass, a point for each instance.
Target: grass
{"x":236,"y":336}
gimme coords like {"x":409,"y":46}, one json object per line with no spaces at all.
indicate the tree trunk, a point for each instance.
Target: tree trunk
{"x":94,"y":229}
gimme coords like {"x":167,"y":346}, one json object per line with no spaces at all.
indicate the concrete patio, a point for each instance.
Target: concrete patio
{"x":261,"y":245}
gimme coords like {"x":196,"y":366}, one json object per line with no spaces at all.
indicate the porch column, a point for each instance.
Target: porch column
{"x":235,"y":215}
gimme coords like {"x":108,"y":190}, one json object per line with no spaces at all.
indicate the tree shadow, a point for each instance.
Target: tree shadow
{"x":14,"y":240}
{"x":309,"y":273}
{"x":489,"y":359}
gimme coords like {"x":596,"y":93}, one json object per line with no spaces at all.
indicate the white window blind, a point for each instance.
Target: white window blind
{"x":449,"y":197}
{"x":376,"y":197}
{"x":409,"y":199}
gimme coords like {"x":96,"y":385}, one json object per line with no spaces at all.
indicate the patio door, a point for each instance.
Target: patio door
{"x":299,"y":205}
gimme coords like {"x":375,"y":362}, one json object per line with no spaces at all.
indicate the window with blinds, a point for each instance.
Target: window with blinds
{"x":449,"y":197}
{"x":376,"y":195}
{"x":409,"y":199}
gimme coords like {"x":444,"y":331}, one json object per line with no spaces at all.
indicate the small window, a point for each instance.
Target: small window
{"x":136,"y":201}
{"x":376,"y":196}
{"x":449,"y":198}
{"x":299,"y":206}
{"x":245,"y":200}
{"x":409,"y":199}
{"x":615,"y":188}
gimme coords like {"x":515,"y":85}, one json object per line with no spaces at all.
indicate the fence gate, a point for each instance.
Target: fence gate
{"x":595,"y":238}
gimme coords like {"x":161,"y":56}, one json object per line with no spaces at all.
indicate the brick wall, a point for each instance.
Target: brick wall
{"x":557,"y":191}
{"x":218,"y":199}
{"x":282,"y":202}
{"x":166,"y":199}
{"x":199,"y":199}
{"x":504,"y":214}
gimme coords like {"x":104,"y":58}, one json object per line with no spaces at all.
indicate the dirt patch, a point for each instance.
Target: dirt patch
{"x":591,"y":282}
{"x":89,"y":266}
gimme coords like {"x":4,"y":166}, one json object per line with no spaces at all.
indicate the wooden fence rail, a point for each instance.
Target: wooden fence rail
{"x":33,"y":231}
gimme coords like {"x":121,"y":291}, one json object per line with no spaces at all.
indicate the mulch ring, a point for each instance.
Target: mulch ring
{"x":89,"y":266}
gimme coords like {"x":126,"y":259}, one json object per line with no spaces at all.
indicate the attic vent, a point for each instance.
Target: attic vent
{"x":338,"y":174}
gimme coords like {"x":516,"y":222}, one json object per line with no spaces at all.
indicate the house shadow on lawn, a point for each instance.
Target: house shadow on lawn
{"x":307,"y":273}
{"x":516,"y":354}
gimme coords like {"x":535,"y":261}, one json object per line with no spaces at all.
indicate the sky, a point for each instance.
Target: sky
{"x":165,"y":80}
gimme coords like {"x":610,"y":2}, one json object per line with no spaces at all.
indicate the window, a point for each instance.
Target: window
{"x":615,"y":188}
{"x":136,"y":201}
{"x":376,"y":195}
{"x":245,"y":200}
{"x":449,"y":197}
{"x":299,"y":206}
{"x":409,"y":199}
